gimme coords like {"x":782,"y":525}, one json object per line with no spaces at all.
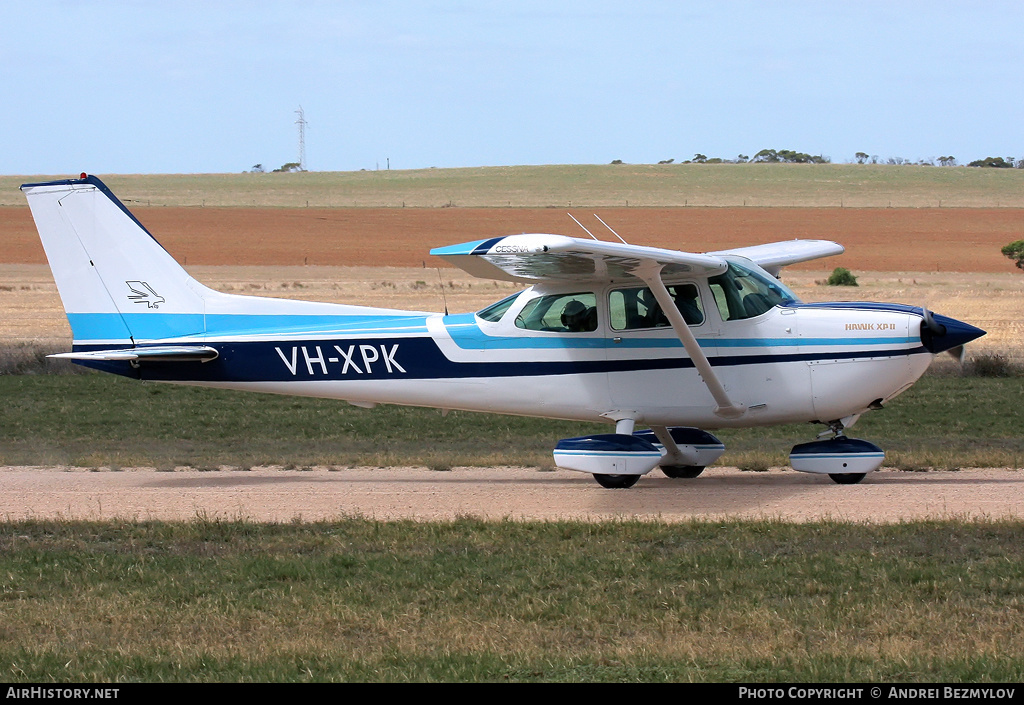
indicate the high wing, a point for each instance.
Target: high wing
{"x":540,"y":257}
{"x":773,"y":256}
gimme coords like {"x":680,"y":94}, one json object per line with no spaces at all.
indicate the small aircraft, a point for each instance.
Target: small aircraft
{"x":640,"y":337}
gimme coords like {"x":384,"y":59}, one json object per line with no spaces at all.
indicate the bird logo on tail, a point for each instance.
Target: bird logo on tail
{"x":143,"y":293}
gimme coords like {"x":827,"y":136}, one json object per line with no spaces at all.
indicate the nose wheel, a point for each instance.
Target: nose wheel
{"x":616,"y":482}
{"x":845,"y":460}
{"x":847,"y":478}
{"x":678,"y":472}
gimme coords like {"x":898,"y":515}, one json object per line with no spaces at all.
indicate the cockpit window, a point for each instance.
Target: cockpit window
{"x":637,"y":308}
{"x":561,"y":313}
{"x":743,"y":293}
{"x":494,"y":312}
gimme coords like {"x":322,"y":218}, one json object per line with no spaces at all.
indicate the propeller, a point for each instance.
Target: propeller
{"x":937,"y":329}
{"x":960,"y":333}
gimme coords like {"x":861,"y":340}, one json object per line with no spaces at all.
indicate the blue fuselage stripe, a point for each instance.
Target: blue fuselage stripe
{"x":409,"y":358}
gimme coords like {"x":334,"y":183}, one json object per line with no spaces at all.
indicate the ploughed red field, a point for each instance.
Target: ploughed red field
{"x":876,"y":239}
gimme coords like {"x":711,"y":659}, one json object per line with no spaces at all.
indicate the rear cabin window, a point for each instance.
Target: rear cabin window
{"x":631,"y":309}
{"x":560,"y":313}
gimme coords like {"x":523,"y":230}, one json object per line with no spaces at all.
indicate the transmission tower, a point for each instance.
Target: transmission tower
{"x":301,"y":122}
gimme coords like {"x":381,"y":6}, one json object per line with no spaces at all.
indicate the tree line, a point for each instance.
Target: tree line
{"x":789,"y":156}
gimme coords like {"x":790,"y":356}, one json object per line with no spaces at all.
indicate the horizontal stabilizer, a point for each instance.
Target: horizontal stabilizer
{"x":159,"y":353}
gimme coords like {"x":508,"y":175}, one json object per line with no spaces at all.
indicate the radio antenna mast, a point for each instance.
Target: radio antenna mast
{"x":582,"y":226}
{"x":301,"y":122}
{"x":610,"y":228}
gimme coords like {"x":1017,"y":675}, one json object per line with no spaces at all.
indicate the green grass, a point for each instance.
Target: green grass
{"x":467,"y":600}
{"x":566,"y":186}
{"x":96,"y":420}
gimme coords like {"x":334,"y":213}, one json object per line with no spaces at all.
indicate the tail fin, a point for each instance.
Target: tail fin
{"x":118,"y":285}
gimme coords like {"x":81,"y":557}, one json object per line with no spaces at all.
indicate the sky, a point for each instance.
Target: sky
{"x":212,"y":86}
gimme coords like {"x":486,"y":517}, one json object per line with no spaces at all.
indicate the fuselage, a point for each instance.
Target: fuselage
{"x":791,"y":362}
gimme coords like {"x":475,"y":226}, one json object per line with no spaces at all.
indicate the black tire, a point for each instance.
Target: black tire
{"x":847,"y":478}
{"x":677,"y":472}
{"x":616,"y":482}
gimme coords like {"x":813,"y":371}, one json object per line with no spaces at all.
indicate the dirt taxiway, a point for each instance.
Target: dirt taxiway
{"x":278,"y":495}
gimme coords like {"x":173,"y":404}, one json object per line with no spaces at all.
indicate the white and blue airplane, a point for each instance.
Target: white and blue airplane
{"x":639,"y":337}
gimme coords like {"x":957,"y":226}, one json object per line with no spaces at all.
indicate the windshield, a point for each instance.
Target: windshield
{"x":494,"y":312}
{"x":744,"y":293}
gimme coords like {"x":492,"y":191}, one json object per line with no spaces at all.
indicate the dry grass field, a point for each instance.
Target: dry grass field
{"x":574,"y":185}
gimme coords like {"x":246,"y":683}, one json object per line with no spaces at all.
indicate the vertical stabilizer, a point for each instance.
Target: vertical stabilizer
{"x":118,"y":285}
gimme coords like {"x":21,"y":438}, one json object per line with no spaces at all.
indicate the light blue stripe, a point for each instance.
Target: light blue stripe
{"x":143,"y":326}
{"x":156,"y":326}
{"x":791,"y":342}
{"x":464,"y":248}
{"x":351,"y":324}
{"x":469,"y":336}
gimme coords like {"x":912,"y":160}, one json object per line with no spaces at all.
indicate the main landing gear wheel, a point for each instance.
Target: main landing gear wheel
{"x":847,"y":478}
{"x":677,"y":472}
{"x":616,"y":482}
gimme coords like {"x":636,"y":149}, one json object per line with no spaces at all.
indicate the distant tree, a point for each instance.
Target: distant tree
{"x":789,"y":156}
{"x":1015,"y":251}
{"x":258,"y":169}
{"x":290,"y":166}
{"x":666,"y":161}
{"x":699,"y":159}
{"x":841,"y":276}
{"x":742,"y":159}
{"x":947,"y":161}
{"x":861,"y":157}
{"x":996,"y":162}
{"x":616,"y":161}
{"x":766,"y":155}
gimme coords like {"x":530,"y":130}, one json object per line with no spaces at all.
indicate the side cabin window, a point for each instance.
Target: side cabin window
{"x":742,"y":293}
{"x":560,"y":313}
{"x":637,"y":308}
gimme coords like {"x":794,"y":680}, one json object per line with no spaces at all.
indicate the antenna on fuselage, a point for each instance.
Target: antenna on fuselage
{"x":582,"y":226}
{"x":444,"y":297}
{"x":610,"y":228}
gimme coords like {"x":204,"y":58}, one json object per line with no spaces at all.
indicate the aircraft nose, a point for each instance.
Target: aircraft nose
{"x":942,"y":333}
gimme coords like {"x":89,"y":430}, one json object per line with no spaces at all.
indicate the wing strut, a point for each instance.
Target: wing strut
{"x":650,"y":272}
